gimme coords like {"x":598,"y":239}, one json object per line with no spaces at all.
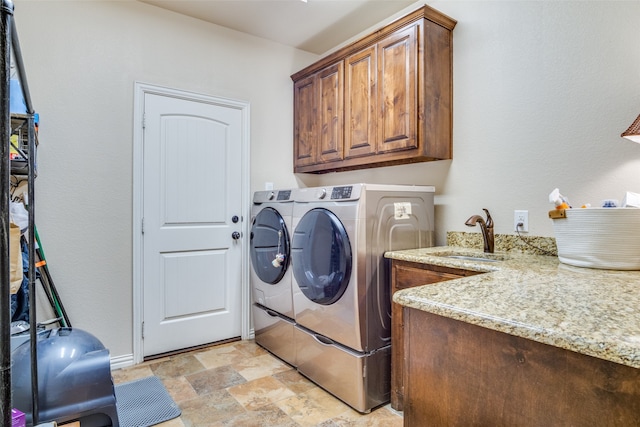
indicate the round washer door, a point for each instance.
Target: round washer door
{"x":321,"y":254}
{"x":269,"y":246}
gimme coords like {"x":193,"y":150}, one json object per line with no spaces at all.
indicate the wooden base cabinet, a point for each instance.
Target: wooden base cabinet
{"x":460,"y":374}
{"x":406,"y":275}
{"x":385,"y":99}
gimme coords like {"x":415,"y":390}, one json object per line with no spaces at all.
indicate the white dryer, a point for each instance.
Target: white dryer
{"x":341,"y":282}
{"x":270,"y":275}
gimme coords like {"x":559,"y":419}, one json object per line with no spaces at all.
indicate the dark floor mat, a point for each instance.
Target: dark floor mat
{"x":144,"y":402}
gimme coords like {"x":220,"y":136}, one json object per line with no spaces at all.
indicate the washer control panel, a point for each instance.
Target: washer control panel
{"x":341,"y":192}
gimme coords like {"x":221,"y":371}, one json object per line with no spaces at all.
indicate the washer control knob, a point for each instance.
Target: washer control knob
{"x":271,"y":195}
{"x":322,"y":193}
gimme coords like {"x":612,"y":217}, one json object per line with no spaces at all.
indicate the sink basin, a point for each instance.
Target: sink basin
{"x":470,"y":255}
{"x":472,"y":258}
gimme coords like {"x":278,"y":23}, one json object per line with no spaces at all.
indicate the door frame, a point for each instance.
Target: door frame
{"x":140,"y":90}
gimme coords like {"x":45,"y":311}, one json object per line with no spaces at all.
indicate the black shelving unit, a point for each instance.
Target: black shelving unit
{"x":22,"y":130}
{"x":23,"y":166}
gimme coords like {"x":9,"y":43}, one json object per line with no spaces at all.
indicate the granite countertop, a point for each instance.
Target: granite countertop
{"x":589,"y":311}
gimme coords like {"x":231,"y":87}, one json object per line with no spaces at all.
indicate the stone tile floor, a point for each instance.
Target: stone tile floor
{"x":241,"y":384}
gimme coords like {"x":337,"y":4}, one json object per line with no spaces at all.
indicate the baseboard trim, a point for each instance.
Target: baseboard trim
{"x":120,"y":362}
{"x":126,"y":360}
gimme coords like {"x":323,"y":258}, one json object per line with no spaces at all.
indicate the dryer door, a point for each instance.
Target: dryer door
{"x":269,"y":246}
{"x":321,"y":254}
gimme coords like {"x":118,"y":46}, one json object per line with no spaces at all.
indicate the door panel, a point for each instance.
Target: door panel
{"x":397,"y":81}
{"x":331,"y":114}
{"x":184,"y":166}
{"x":361,"y":103}
{"x":304,"y":100}
{"x":192,"y":272}
{"x":180,"y":267}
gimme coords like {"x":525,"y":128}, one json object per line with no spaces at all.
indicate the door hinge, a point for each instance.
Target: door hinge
{"x":142,"y":330}
{"x":142,"y":225}
{"x":144,"y":120}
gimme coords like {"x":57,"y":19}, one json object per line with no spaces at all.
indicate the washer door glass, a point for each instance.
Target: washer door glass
{"x":321,"y":255}
{"x":269,"y":246}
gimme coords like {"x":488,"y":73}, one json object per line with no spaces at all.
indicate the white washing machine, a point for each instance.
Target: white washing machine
{"x":270,"y":276}
{"x":341,"y":282}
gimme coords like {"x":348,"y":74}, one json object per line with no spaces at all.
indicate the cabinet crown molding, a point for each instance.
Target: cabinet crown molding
{"x":424,"y":12}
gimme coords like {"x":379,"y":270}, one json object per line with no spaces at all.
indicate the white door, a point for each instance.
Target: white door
{"x":192,"y":223}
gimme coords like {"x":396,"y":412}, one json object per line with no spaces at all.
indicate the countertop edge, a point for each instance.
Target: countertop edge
{"x":437,"y":299}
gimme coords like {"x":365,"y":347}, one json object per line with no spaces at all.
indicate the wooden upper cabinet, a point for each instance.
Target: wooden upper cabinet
{"x":319,"y":115}
{"x":385,"y":99}
{"x":304,"y":97}
{"x":361,"y":103}
{"x":331,"y":114}
{"x":397,"y":90}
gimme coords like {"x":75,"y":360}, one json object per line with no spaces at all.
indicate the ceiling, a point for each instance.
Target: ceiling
{"x":315,"y":26}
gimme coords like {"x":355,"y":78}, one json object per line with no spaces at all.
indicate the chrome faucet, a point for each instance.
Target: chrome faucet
{"x":486,"y":227}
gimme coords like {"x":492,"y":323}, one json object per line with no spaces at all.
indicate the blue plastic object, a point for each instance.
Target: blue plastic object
{"x":74,"y":379}
{"x":16,"y":98}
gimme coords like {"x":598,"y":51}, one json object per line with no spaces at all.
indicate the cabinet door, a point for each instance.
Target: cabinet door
{"x":397,"y":90}
{"x":331,"y":126}
{"x":305,"y":100}
{"x":360,"y":103}
{"x":405,"y":275}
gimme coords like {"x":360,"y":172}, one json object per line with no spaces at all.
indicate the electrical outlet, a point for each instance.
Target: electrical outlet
{"x":521,"y":217}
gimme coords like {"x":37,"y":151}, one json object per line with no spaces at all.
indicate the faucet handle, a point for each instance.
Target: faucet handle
{"x":489,"y":221}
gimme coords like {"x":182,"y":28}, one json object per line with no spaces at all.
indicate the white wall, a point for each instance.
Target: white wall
{"x":542,"y":91}
{"x":82,"y":59}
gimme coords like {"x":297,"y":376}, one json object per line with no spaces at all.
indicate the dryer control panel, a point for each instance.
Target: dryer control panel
{"x":284,"y":195}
